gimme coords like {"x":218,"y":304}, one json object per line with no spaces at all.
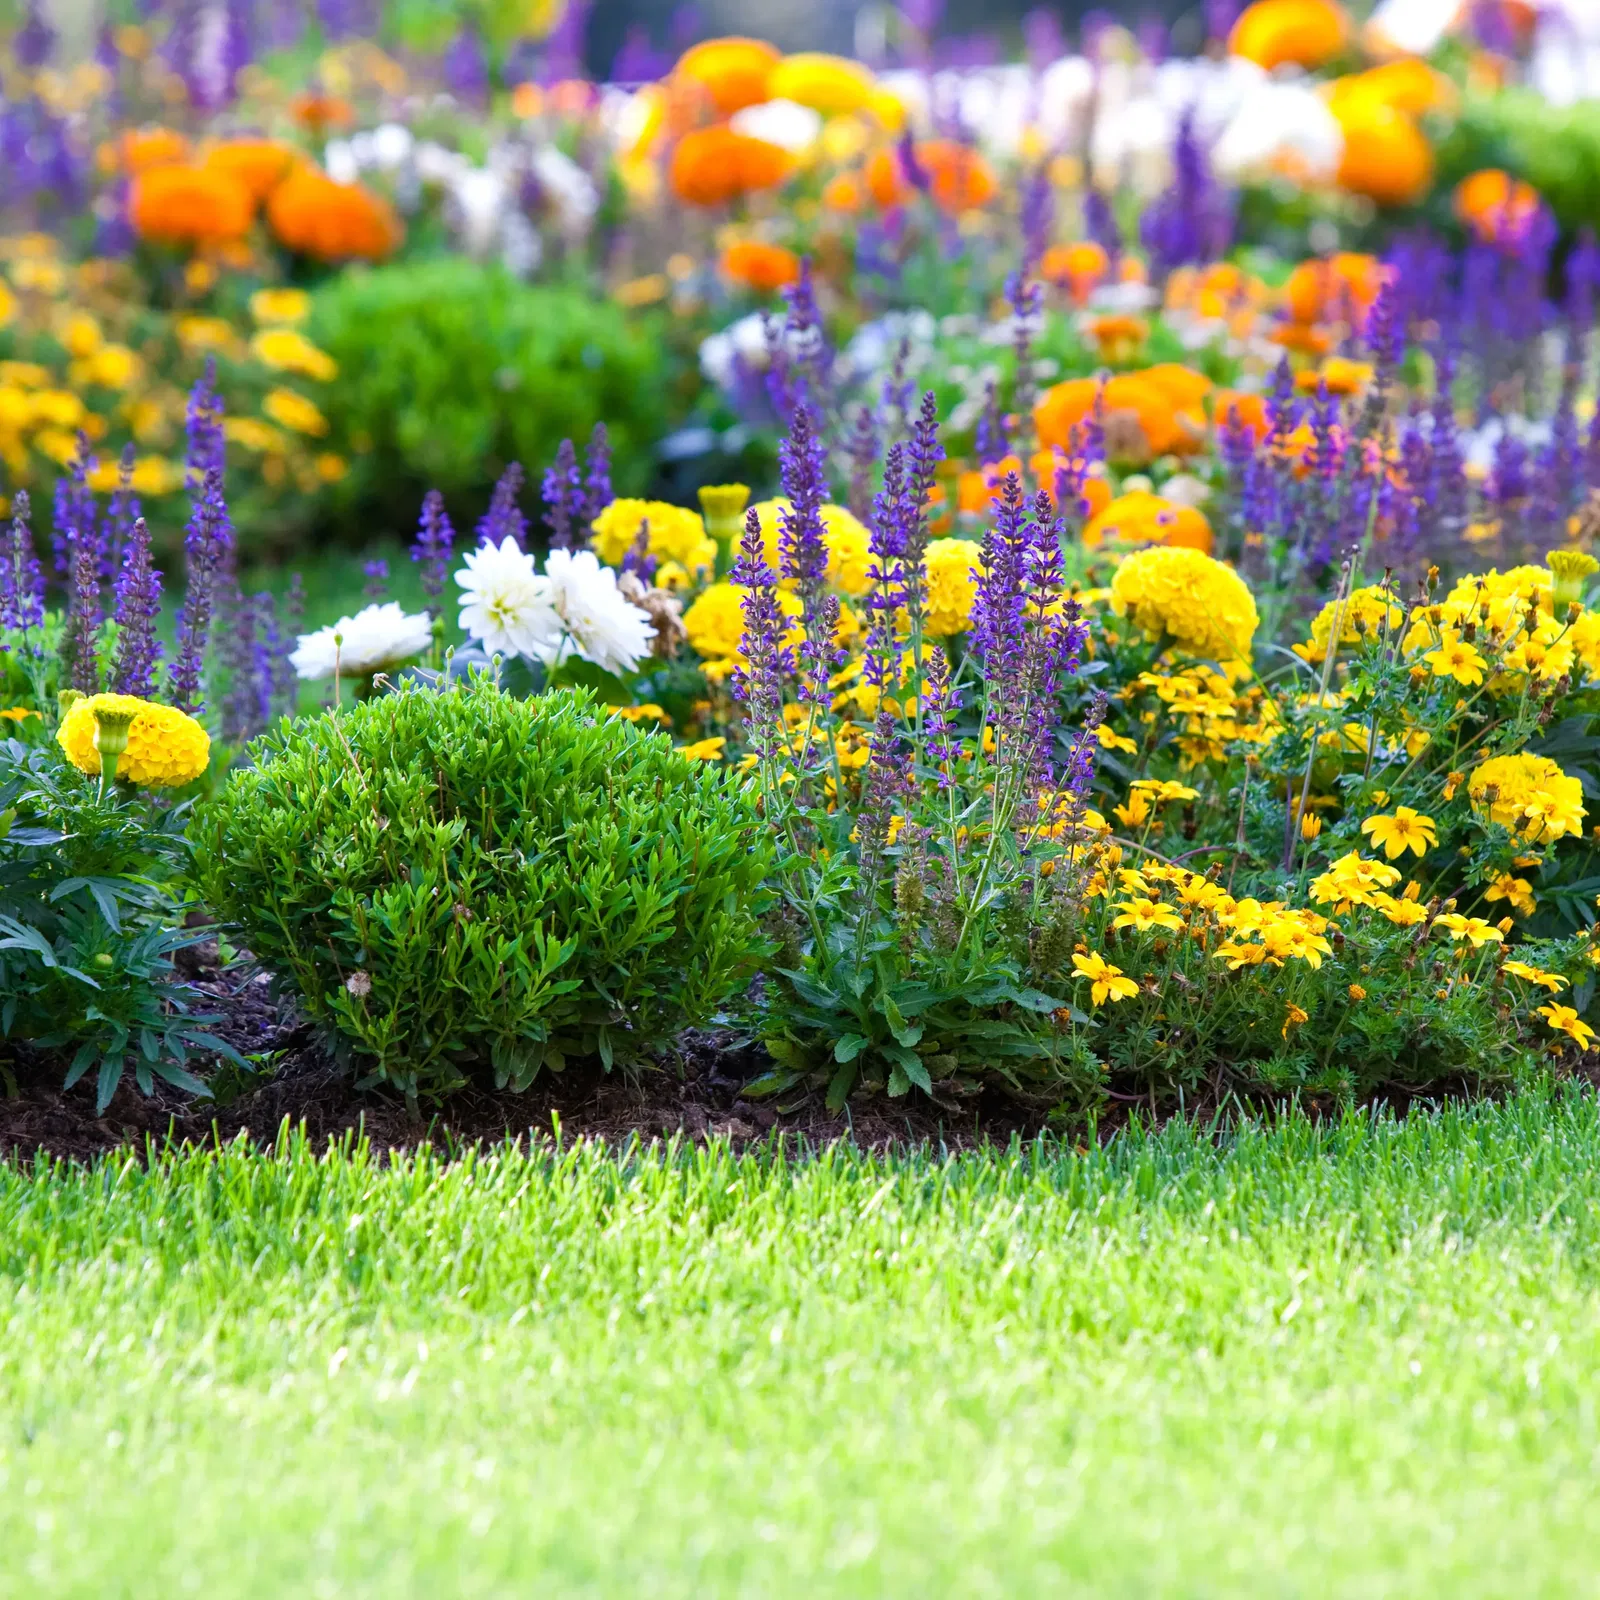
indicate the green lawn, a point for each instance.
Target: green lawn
{"x":1356,"y":1361}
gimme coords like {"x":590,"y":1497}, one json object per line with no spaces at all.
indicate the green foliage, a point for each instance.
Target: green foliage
{"x":462,"y":879}
{"x":449,"y":370}
{"x":89,"y":921}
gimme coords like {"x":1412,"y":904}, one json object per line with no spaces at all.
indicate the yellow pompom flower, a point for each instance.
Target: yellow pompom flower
{"x":1201,"y":605}
{"x":675,"y":534}
{"x":280,"y":305}
{"x":951,"y":566}
{"x":1365,"y":613}
{"x":1528,"y":794}
{"x":714,"y":624}
{"x":166,"y":747}
{"x":849,"y":548}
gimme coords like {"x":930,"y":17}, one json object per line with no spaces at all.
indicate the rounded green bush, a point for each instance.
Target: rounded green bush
{"x":462,"y":881}
{"x":449,"y":370}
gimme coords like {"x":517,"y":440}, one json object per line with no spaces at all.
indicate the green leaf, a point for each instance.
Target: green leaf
{"x":849,"y":1047}
{"x":840,"y":1085}
{"x":106,"y":1083}
{"x":899,"y":1083}
{"x":770,"y":1083}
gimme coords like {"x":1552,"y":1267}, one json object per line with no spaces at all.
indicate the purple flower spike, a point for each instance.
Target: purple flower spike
{"x":758,"y":684}
{"x":203,"y":425}
{"x":208,"y":553}
{"x":504,"y":518}
{"x":563,"y":496}
{"x":434,"y":543}
{"x":21,"y":579}
{"x":138,"y":604}
{"x":80,"y":660}
{"x":598,"y":493}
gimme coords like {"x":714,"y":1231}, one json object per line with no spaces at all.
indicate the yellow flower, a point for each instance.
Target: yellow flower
{"x":952,"y":585}
{"x":294,"y":412}
{"x":1240,"y":955}
{"x":1403,"y":913}
{"x":703,"y":750}
{"x":1356,"y":992}
{"x":17,"y":713}
{"x":1163,"y":789}
{"x":1353,"y":881}
{"x":1405,"y":830}
{"x":80,"y":334}
{"x":833,"y":85}
{"x":1553,"y":981}
{"x":1517,"y":892}
{"x":1107,"y":980}
{"x":649,"y":712}
{"x":288,"y":350}
{"x":166,"y":748}
{"x":1457,"y":659}
{"x":1287,"y":938}
{"x":849,"y":551}
{"x":1108,"y":740}
{"x":113,"y":366}
{"x":1473,"y":929}
{"x":280,"y":305}
{"x":330,"y":468}
{"x":252,"y":433}
{"x":1528,"y":794}
{"x":200,"y":334}
{"x":1570,"y":569}
{"x":1184,"y":595}
{"x":1364,"y":613}
{"x":1137,"y":811}
{"x":1142,"y":915}
{"x":1292,"y":1018}
{"x":675,"y":534}
{"x":1565,"y":1020}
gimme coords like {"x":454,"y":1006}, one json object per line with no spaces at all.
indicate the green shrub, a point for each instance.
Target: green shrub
{"x":449,"y":370}
{"x":90,"y":917}
{"x":461,"y":879}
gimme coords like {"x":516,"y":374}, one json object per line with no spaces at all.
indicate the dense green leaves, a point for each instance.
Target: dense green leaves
{"x":463,"y":881}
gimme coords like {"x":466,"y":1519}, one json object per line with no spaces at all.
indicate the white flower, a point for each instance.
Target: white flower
{"x":373,"y":639}
{"x":791,"y":127}
{"x":569,"y":189}
{"x":505,"y":604}
{"x":596,"y":622}
{"x":1281,"y":123}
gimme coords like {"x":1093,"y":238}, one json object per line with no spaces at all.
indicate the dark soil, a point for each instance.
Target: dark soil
{"x":696,"y":1091}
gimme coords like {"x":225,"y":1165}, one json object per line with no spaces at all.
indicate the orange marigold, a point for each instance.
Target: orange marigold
{"x":319,"y":112}
{"x":1495,"y":205}
{"x":1385,"y":155}
{"x":957,"y":177}
{"x":137,"y":149}
{"x":711,"y":166}
{"x":762,"y":267}
{"x":1157,"y":412}
{"x":1275,"y":33}
{"x":1077,"y":268}
{"x":1340,"y":288}
{"x":733,"y":72}
{"x":186,"y":205}
{"x":331,"y":221}
{"x":259,"y":164}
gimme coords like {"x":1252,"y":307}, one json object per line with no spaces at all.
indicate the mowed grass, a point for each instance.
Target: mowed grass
{"x":1357,"y":1359}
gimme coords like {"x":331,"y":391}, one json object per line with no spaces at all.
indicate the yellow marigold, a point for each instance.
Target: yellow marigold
{"x":1528,"y":794}
{"x":1203,"y":606}
{"x":112,"y":366}
{"x":200,"y":334}
{"x":288,"y":350}
{"x":849,"y":547}
{"x":952,"y":583}
{"x":280,"y":305}
{"x":833,"y":85}
{"x":166,"y":747}
{"x":1365,"y":612}
{"x":714,"y":624}
{"x":1565,"y":1019}
{"x":294,"y":412}
{"x":676,"y":533}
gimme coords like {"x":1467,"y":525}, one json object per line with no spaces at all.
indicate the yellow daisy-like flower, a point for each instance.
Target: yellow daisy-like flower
{"x":1553,"y":981}
{"x":1162,"y":790}
{"x":1565,"y":1020}
{"x":1404,"y":829}
{"x":703,"y":749}
{"x":1143,"y":915}
{"x":1107,"y":981}
{"x":288,"y":350}
{"x":294,"y":412}
{"x":1457,"y":659}
{"x":1402,"y":912}
{"x":280,"y":305}
{"x":649,"y":712}
{"x":1528,"y":794}
{"x":1474,"y":929}
{"x":1107,"y":739}
{"x":1292,"y":1018}
{"x":166,"y":747}
{"x":674,"y":533}
{"x":1516,"y":892}
{"x":1183,"y":595}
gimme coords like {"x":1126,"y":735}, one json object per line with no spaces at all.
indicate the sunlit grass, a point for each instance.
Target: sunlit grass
{"x":1351,"y":1360}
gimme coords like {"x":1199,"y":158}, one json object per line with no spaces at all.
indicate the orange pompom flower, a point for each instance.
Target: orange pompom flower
{"x":733,"y":72}
{"x":758,"y":266}
{"x":1386,"y":156}
{"x":711,"y":166}
{"x":1144,"y":518}
{"x":1276,"y":33}
{"x":843,"y":193}
{"x":1340,"y":288}
{"x":1495,"y":205}
{"x":320,"y":112}
{"x":1078,"y":268}
{"x":184,"y":205}
{"x":957,"y":177}
{"x":259,"y":164}
{"x":136,"y":150}
{"x":331,"y":221}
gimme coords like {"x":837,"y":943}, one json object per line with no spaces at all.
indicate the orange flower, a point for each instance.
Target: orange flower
{"x":138,"y":149}
{"x":958,"y":178}
{"x":1407,"y":85}
{"x":1095,"y":492}
{"x":1340,"y":288}
{"x":976,"y":490}
{"x":259,"y":164}
{"x":711,"y":166}
{"x":1385,"y":155}
{"x":1248,"y":411}
{"x":1143,"y":518}
{"x":732,"y":72}
{"x":843,"y":193}
{"x":1275,"y":33}
{"x":319,"y":112}
{"x":1118,"y":334}
{"x":185,"y":205}
{"x":762,"y":267}
{"x":1077,"y":268}
{"x":1495,"y":205}
{"x":331,"y":221}
{"x":1303,"y":337}
{"x":1157,"y":412}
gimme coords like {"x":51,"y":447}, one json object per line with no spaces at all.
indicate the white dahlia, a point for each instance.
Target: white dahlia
{"x":596,"y":621}
{"x":505,"y":604}
{"x":373,"y":640}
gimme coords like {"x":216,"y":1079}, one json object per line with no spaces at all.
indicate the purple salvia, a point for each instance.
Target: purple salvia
{"x":805,"y":338}
{"x":73,"y":522}
{"x":247,"y":698}
{"x":999,"y":604}
{"x":1027,"y":307}
{"x":208,"y":551}
{"x":35,"y":41}
{"x":880,"y":655}
{"x":782,"y":389}
{"x":886,"y":783}
{"x":137,"y":605}
{"x":1036,"y":220}
{"x":862,"y":450}
{"x":80,"y":638}
{"x":433,"y":546}
{"x":597,"y":490}
{"x":21,"y":578}
{"x":1447,"y":494}
{"x":923,"y":453}
{"x":803,"y":551}
{"x":122,"y":513}
{"x":376,"y":574}
{"x":989,"y":438}
{"x":282,"y":636}
{"x":1085,"y":749}
{"x":768,"y":661}
{"x":563,"y":498}
{"x":207,"y":448}
{"x":466,"y":68}
{"x":504,"y":518}
{"x":637,"y":558}
{"x":940,"y":702}
{"x":1100,"y":224}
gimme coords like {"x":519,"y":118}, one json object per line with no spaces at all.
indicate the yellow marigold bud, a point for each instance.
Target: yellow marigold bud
{"x":1356,"y":992}
{"x":1310,"y":825}
{"x":1570,"y":569}
{"x":723,"y":505}
{"x":165,"y":748}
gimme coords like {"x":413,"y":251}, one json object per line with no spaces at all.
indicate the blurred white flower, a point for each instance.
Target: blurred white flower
{"x":790,"y":126}
{"x":1411,"y":27}
{"x":505,"y":604}
{"x":569,"y":189}
{"x":374,"y":639}
{"x":744,"y":340}
{"x":1280,"y":126}
{"x":340,"y":162}
{"x":595,"y":621}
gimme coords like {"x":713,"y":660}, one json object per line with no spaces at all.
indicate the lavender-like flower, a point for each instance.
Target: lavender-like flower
{"x":1193,"y":219}
{"x":758,"y":685}
{"x":80,"y":661}
{"x":466,"y":68}
{"x":282,"y":636}
{"x":21,"y":579}
{"x":940,"y":702}
{"x":247,"y":695}
{"x":886,"y":783}
{"x":434,"y":542}
{"x":504,"y":518}
{"x":637,"y":558}
{"x":803,"y":552}
{"x":804,"y":336}
{"x":563,"y":496}
{"x":207,"y":449}
{"x":998,"y":605}
{"x":1036,"y":220}
{"x":138,"y":604}
{"x":376,"y":574}
{"x":35,"y":41}
{"x":989,"y":438}
{"x":862,"y":449}
{"x":208,"y":552}
{"x":73,"y":522}
{"x":122,"y":513}
{"x":1027,"y":305}
{"x":598,"y":493}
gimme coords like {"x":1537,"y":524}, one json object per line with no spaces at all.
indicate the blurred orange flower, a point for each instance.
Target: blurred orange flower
{"x":711,"y":166}
{"x":184,"y":205}
{"x":1159,"y":411}
{"x":259,"y":164}
{"x":1495,"y":205}
{"x":733,"y":72}
{"x":1340,"y":287}
{"x":958,"y":178}
{"x":320,"y":112}
{"x":1144,"y":518}
{"x":1275,"y":33}
{"x":1077,"y":268}
{"x":762,"y":267}
{"x":331,"y":221}
{"x":137,"y":149}
{"x":1386,"y":156}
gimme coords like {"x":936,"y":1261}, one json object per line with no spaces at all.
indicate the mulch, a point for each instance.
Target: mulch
{"x":696,"y":1092}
